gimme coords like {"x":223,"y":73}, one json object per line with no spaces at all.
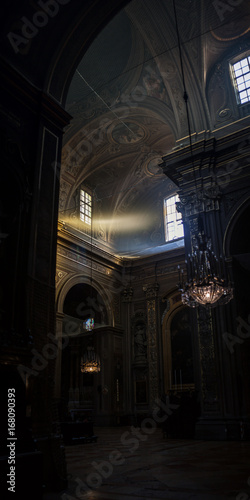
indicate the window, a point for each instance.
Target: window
{"x":241,"y":77}
{"x":173,"y":219}
{"x":85,"y":206}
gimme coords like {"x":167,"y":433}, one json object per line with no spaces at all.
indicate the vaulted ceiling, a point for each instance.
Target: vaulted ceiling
{"x":128,"y":111}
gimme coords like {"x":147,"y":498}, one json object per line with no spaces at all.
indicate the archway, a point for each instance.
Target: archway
{"x":178,"y":362}
{"x":78,"y":301}
{"x":238,"y":249}
{"x":177,"y":346}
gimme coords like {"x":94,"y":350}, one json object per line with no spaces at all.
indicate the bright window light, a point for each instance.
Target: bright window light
{"x":85,"y":206}
{"x":241,"y":75}
{"x":173,"y":219}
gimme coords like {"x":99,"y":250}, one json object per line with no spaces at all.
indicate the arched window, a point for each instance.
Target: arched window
{"x":172,"y":219}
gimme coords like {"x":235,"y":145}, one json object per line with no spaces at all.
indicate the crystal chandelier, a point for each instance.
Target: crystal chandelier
{"x":90,"y":361}
{"x":205,"y":285}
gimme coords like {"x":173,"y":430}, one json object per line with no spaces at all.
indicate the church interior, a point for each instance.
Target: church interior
{"x":125,"y":203}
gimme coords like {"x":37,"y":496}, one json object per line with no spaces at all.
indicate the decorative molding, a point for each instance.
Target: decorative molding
{"x":231,"y":200}
{"x":127,"y":294}
{"x":59,"y":276}
{"x":139,"y":338}
{"x":165,"y":311}
{"x":151,"y":291}
{"x":152,"y":353}
{"x":204,"y":200}
{"x":79,"y":259}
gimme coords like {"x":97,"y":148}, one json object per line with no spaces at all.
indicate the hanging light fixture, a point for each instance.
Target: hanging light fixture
{"x":90,"y":361}
{"x":204,"y":285}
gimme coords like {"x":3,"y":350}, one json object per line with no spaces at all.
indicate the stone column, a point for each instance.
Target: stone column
{"x":151,"y":292}
{"x":58,"y":364}
{"x":209,"y":391}
{"x":127,"y":296}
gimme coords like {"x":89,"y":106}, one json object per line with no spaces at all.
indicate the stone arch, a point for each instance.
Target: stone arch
{"x":83,"y":27}
{"x":166,"y":340}
{"x":174,"y":306}
{"x":82,"y":279}
{"x":237,"y":248}
{"x":234,"y":216}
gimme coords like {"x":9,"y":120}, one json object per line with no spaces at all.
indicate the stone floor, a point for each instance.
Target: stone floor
{"x":127,"y":463}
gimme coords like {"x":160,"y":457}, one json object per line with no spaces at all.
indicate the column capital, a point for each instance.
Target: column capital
{"x":151,"y":290}
{"x":127,"y":294}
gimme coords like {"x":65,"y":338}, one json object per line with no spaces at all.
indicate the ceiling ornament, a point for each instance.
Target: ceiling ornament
{"x":152,"y":167}
{"x":128,"y":133}
{"x":230,"y":35}
{"x":153,"y":83}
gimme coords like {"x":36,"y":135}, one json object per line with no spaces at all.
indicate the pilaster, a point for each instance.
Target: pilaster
{"x":151,"y":292}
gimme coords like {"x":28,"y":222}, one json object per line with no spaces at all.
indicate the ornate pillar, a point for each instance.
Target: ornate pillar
{"x":209,"y":391}
{"x":151,"y":291}
{"x":194,"y":209}
{"x":127,"y":296}
{"x":58,"y":364}
{"x":207,"y":186}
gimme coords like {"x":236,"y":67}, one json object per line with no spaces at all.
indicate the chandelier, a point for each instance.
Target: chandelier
{"x":90,"y":361}
{"x":205,"y":285}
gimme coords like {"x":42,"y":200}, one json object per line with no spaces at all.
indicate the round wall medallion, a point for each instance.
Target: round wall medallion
{"x":225,"y":113}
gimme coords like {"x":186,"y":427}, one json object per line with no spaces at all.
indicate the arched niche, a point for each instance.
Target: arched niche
{"x":177,"y":345}
{"x":237,"y":247}
{"x":237,"y":250}
{"x":83,"y":301}
{"x":84,"y":298}
{"x":80,"y":298}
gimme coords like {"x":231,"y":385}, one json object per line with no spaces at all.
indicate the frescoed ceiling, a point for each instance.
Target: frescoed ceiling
{"x":128,"y":111}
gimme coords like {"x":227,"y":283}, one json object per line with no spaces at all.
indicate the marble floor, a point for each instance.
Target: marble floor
{"x":127,"y":463}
